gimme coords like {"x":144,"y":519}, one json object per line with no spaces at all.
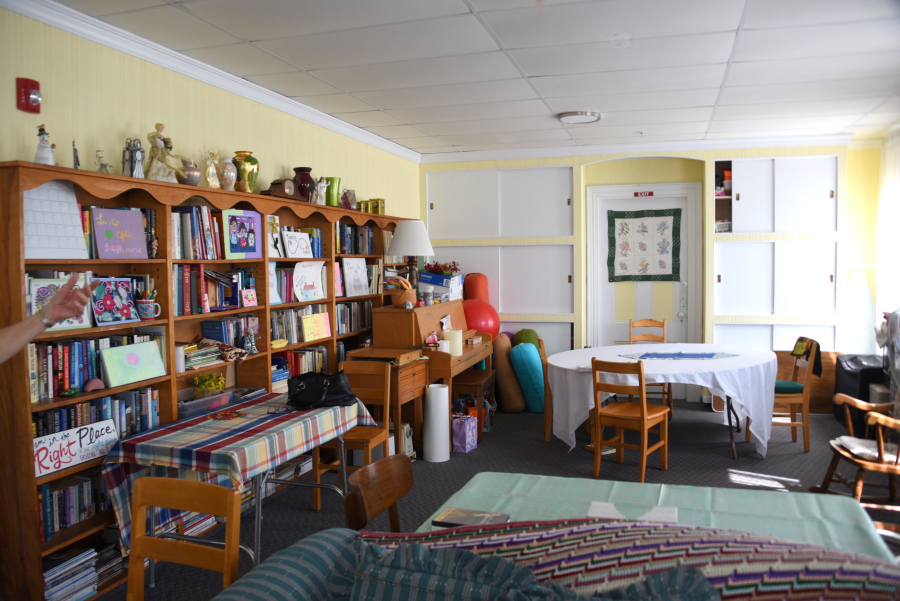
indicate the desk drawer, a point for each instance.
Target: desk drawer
{"x":412,"y":380}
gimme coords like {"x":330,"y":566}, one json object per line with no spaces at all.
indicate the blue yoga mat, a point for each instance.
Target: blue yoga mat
{"x":678,"y":355}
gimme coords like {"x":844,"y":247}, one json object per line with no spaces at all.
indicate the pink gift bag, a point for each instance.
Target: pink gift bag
{"x":465,"y":434}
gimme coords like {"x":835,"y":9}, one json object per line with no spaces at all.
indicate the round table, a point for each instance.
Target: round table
{"x":747,"y":379}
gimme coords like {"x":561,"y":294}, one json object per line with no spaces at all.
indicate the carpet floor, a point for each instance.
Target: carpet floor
{"x":699,"y":455}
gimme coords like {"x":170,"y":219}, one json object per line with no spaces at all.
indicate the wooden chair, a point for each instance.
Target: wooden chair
{"x":377,"y":487}
{"x":665,"y":388}
{"x":476,"y":382}
{"x":548,"y":395}
{"x":796,"y":395}
{"x":627,"y":416}
{"x":881,"y":458}
{"x":371,"y":382}
{"x":186,"y":495}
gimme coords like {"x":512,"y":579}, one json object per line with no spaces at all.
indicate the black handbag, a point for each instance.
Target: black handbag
{"x":311,"y":390}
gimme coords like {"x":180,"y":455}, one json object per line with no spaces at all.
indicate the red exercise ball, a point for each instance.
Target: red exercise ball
{"x":481,"y":316}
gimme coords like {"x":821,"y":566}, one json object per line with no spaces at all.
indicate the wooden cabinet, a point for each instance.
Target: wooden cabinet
{"x":21,"y":575}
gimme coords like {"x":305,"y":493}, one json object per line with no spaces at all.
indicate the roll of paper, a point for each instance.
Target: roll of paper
{"x":436,"y":435}
{"x":443,"y":346}
{"x":455,"y":337}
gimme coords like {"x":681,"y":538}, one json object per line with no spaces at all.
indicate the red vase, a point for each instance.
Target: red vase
{"x":304,"y":182}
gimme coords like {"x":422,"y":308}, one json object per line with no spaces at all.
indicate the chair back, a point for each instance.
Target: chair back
{"x":186,"y":495}
{"x":371,"y":383}
{"x":609,"y":367}
{"x":646,"y":323}
{"x":376,"y":487}
{"x":807,"y":377}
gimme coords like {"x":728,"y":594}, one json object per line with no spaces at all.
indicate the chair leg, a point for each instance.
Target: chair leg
{"x":316,"y":477}
{"x":826,"y":481}
{"x":386,"y":447}
{"x":747,"y":432}
{"x":892,"y":488}
{"x":620,"y":450}
{"x":664,"y":450}
{"x":860,"y":481}
{"x":643,"y":468}
{"x":793,"y":420}
{"x":548,"y":415}
{"x":367,"y":455}
{"x":806,"y":427}
{"x":597,"y":437}
{"x":394,"y":514}
{"x":670,"y":401}
{"x":135,"y":578}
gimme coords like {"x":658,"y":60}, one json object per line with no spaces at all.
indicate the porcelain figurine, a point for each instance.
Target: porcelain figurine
{"x":137,"y":159}
{"x":75,"y":162}
{"x":211,"y":158}
{"x":103,"y":166}
{"x":321,"y":187}
{"x":160,"y":151}
{"x":45,"y":149}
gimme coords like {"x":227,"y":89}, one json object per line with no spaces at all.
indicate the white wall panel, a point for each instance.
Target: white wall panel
{"x":753,"y":335}
{"x":466,"y":204}
{"x":557,"y":335}
{"x":743,"y":278}
{"x":784,"y":337}
{"x":474,"y":259}
{"x":806,"y":194}
{"x":535,"y":203}
{"x":534,"y":279}
{"x":753,"y":193}
{"x":804,"y":277}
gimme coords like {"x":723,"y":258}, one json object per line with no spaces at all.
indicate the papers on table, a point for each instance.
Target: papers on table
{"x":602,"y":509}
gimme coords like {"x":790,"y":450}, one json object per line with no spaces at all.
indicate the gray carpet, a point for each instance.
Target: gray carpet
{"x":699,"y":455}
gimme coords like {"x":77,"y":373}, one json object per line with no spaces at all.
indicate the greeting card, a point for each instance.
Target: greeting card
{"x":296,"y":245}
{"x":113,"y":302}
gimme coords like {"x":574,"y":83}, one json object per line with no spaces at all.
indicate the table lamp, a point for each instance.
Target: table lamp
{"x":411,"y":239}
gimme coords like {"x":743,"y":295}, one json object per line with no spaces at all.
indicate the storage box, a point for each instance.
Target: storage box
{"x":197,"y":406}
{"x":453,"y":285}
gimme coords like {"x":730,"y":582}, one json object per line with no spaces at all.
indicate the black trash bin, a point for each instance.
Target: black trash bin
{"x":853,"y":375}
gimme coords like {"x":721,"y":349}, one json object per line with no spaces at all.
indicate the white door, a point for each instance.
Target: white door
{"x":753,"y":194}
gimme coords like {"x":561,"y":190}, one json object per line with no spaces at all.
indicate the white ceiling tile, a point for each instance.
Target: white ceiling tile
{"x":649,"y":117}
{"x":485,"y":5}
{"x":368,"y":119}
{"x":491,"y":125}
{"x":818,"y":40}
{"x":506,"y":137}
{"x":422,"y":72}
{"x":596,"y":21}
{"x":171,"y":27}
{"x":639,"y":138}
{"x":435,"y":150}
{"x":826,"y":124}
{"x":770,"y":133}
{"x":618,"y":131}
{"x":294,"y":83}
{"x":472,"y":112}
{"x":397,"y":131}
{"x":461,"y":93}
{"x":637,"y":102}
{"x":239,"y":59}
{"x":779,"y":13}
{"x":871,"y":131}
{"x":878,"y":119}
{"x":798,"y":109}
{"x":891,"y":105}
{"x":448,"y":36}
{"x":541,"y":144}
{"x":646,"y":80}
{"x":811,"y":90}
{"x":704,"y":49}
{"x":334,"y":103}
{"x":97,"y":8}
{"x":268,"y":19}
{"x":419,"y":143}
{"x":820,"y":68}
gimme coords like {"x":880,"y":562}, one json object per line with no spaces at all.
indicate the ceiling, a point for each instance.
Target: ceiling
{"x":439,"y":76}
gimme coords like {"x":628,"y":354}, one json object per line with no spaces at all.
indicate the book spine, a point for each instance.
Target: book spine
{"x":46,"y":511}
{"x":105,"y":412}
{"x":33,"y":372}
{"x":66,"y":367}
{"x":79,"y":417}
{"x":201,"y":289}
{"x":154,"y":408}
{"x":186,"y":288}
{"x":187,"y":245}
{"x":85,"y":361}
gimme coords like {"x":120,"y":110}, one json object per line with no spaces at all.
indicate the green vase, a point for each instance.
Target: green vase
{"x":333,"y":192}
{"x":248,"y":170}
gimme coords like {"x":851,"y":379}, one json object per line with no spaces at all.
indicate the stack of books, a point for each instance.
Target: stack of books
{"x":291,"y":469}
{"x":70,"y":575}
{"x":198,"y":355}
{"x":195,"y":233}
{"x":109,"y":563}
{"x":280,"y":375}
{"x":196,"y":524}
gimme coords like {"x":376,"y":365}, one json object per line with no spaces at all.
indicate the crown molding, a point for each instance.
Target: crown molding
{"x":864,"y":144}
{"x":635,"y":148}
{"x":77,"y":23}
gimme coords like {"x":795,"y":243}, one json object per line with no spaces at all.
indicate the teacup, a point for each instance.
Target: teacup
{"x":148,"y":309}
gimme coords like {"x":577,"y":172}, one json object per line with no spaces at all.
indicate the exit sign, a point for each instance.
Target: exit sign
{"x":636,"y":194}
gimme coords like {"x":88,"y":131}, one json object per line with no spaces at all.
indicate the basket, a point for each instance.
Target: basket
{"x":400,"y":297}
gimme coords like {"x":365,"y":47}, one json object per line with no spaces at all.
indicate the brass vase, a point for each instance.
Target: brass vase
{"x":248,"y":170}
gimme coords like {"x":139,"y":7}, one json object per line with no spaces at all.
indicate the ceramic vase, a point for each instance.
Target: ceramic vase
{"x":248,"y":170}
{"x":191,"y":173}
{"x":227,"y":173}
{"x":304,"y":183}
{"x":333,"y":194}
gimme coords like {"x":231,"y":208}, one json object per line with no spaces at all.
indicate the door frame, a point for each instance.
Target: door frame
{"x":694,"y":193}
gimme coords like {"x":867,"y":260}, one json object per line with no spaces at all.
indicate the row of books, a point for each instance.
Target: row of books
{"x":65,"y":503}
{"x":123,"y":409}
{"x":300,"y":324}
{"x":353,"y":239}
{"x":70,"y":574}
{"x":352,"y":317}
{"x":198,"y":523}
{"x":314,"y":279}
{"x":89,"y":216}
{"x":199,"y":290}
{"x":196,"y":233}
{"x":231,"y":330}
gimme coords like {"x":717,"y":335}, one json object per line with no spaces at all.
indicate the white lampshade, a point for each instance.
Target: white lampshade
{"x":411,"y":238}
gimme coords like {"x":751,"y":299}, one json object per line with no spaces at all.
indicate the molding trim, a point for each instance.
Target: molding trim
{"x":564,"y":240}
{"x":634,"y":148}
{"x":69,"y":20}
{"x":864,"y":144}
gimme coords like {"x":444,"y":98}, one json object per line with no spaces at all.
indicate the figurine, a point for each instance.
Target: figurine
{"x":160,"y":150}
{"x":211,"y":158}
{"x":127,"y":167}
{"x":75,"y":162}
{"x":104,"y":167}
{"x":321,"y":186}
{"x":432,"y":339}
{"x":137,"y":159}
{"x":45,"y":149}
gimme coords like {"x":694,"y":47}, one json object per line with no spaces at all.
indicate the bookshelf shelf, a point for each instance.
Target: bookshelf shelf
{"x":292,"y":347}
{"x":99,"y":332}
{"x":214,"y":314}
{"x":296,"y":260}
{"x":300,"y":304}
{"x":215,"y":261}
{"x":358,"y":256}
{"x":69,"y":471}
{"x":396,"y":264}
{"x":351,"y":334}
{"x":93,"y":262}
{"x":58,"y":402}
{"x":67,"y":536}
{"x":350,"y":299}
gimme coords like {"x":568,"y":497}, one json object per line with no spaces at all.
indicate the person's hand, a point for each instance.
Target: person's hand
{"x":68,"y":303}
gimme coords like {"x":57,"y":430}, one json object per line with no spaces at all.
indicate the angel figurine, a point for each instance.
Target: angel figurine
{"x":103,"y":166}
{"x":211,"y":158}
{"x":321,"y":186}
{"x":160,"y":151}
{"x":137,"y":159}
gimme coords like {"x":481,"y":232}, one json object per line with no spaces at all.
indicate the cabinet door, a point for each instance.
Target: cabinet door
{"x":743,"y":278}
{"x":753,"y":195}
{"x":804,"y":277}
{"x":465,"y":204}
{"x":738,"y":334}
{"x":534,"y":279}
{"x":474,"y":259}
{"x":784,"y":337}
{"x":806,"y":194}
{"x":536,"y":202}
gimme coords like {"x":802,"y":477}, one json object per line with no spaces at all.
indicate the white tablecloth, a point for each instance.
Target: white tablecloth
{"x":748,"y":378}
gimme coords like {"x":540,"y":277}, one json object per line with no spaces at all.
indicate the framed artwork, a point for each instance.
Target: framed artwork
{"x":113,"y":302}
{"x":644,"y":246}
{"x":43,"y":289}
{"x":243,"y":234}
{"x":296,"y":245}
{"x":119,"y":233}
{"x":132,"y":363}
{"x":274,"y":236}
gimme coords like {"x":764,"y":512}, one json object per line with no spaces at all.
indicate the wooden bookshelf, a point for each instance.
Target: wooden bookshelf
{"x":21,"y":575}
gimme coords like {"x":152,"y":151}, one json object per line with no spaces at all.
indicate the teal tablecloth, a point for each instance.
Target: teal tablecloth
{"x":826,"y":520}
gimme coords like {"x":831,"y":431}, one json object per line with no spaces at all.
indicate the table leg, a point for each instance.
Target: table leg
{"x":343,"y":461}
{"x":729,"y":410}
{"x":259,"y":481}
{"x":152,"y":570}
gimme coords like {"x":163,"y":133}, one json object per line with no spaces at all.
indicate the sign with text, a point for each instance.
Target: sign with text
{"x":640,"y":194}
{"x":58,"y":451}
{"x":118,"y":233}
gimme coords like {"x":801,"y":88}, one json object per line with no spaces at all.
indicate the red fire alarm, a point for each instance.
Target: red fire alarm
{"x":28,"y":95}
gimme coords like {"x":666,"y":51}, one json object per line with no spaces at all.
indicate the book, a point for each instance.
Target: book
{"x":356,"y":278}
{"x":315,"y":327}
{"x":452,"y":517}
{"x":132,"y":363}
{"x":119,"y":233}
{"x":297,"y":245}
{"x":113,"y":301}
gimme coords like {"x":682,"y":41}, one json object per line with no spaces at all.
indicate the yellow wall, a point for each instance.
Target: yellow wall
{"x":98,"y":97}
{"x":863,"y":183}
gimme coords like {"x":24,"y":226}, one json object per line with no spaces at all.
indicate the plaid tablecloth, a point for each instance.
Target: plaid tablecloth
{"x":226,"y":447}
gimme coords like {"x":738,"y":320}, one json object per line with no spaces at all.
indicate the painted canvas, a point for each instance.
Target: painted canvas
{"x":123,"y":365}
{"x":356,"y":277}
{"x":274,"y":236}
{"x":308,"y":281}
{"x":119,"y":233}
{"x":43,"y":289}
{"x":243,"y":234}
{"x":113,"y":302}
{"x":296,"y":245}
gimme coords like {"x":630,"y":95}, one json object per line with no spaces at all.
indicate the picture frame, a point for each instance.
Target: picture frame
{"x":296,"y":245}
{"x":242,"y":236}
{"x":43,"y":289}
{"x":112,"y":302}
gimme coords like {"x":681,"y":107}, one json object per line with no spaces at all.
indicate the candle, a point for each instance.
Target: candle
{"x":455,"y":337}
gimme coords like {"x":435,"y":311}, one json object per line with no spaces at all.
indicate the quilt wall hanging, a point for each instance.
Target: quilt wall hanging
{"x":644,"y":245}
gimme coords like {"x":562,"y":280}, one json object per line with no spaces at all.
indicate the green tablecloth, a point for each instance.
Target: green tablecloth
{"x":827,"y":520}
